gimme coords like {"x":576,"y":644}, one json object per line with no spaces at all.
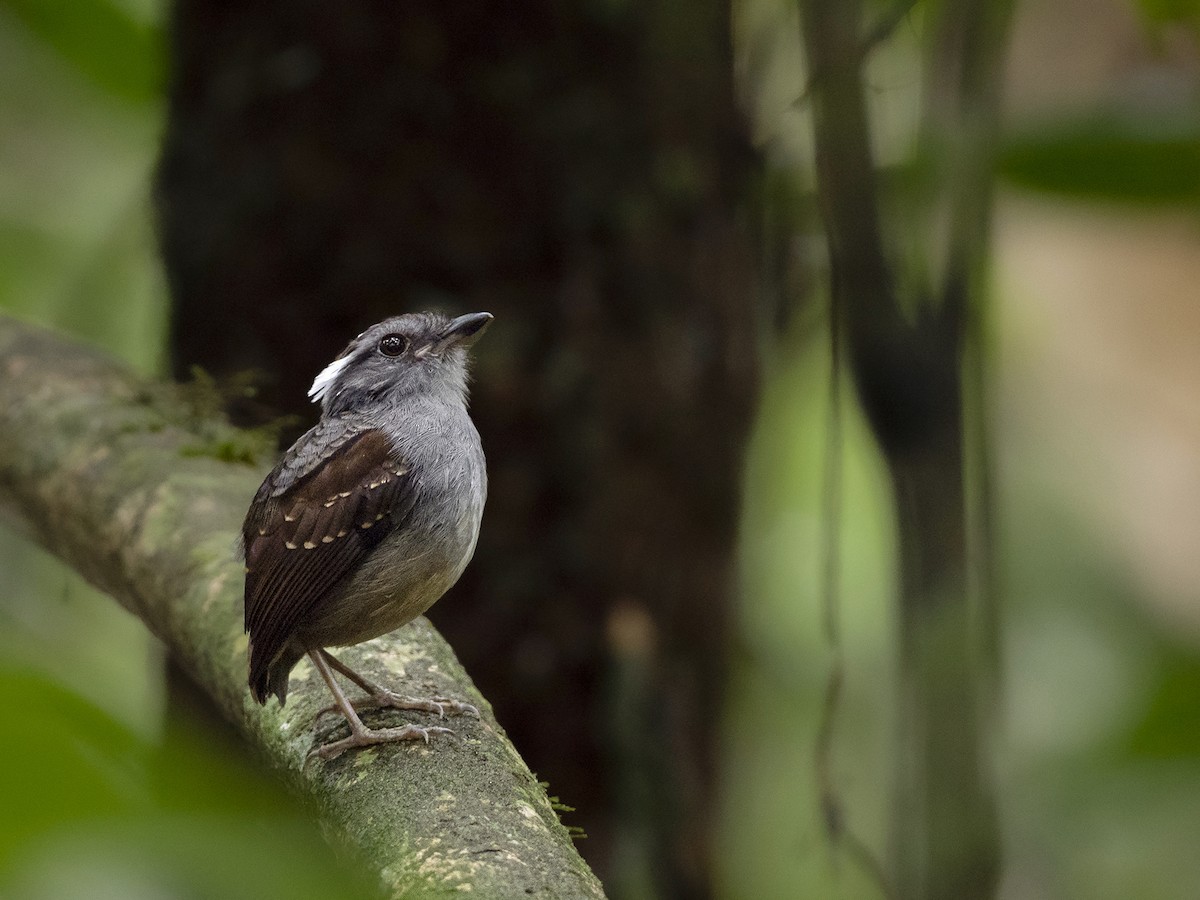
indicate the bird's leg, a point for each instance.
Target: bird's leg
{"x":360,"y":734}
{"x":382,"y":697}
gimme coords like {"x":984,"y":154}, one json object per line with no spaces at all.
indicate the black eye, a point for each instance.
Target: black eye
{"x":393,"y":344}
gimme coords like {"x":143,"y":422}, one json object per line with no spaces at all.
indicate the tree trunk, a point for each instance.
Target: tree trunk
{"x":578,"y":170}
{"x":907,"y":362}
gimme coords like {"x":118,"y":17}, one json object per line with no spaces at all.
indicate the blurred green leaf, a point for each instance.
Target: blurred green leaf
{"x":25,"y":253}
{"x":63,"y":759}
{"x":1164,"y":11}
{"x":185,"y":856}
{"x":1111,"y":158}
{"x":91,"y":810}
{"x":1168,"y":728}
{"x":101,"y":40}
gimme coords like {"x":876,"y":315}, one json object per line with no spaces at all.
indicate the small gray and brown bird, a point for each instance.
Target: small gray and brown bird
{"x":370,"y":516}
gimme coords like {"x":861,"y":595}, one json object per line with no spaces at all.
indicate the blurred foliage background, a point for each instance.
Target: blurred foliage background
{"x":105,"y":793}
{"x":1094,"y":336}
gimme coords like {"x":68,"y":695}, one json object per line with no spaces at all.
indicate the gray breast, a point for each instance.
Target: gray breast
{"x":425,"y":555}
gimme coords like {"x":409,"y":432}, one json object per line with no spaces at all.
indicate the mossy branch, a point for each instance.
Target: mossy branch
{"x":141,"y":489}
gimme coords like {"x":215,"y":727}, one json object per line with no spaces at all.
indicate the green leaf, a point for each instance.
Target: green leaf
{"x":118,"y":53}
{"x":1111,"y":158}
{"x":1169,"y":11}
{"x":64,"y":760}
{"x":1168,"y":729}
{"x":92,"y":810}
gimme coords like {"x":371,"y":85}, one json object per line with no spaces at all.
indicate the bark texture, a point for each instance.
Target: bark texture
{"x":141,"y":489}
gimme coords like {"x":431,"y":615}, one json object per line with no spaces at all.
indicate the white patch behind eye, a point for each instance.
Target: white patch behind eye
{"x":323,"y":382}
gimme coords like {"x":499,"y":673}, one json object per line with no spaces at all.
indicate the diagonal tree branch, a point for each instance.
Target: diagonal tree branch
{"x":142,"y":493}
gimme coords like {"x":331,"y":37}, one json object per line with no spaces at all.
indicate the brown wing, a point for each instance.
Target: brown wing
{"x":302,"y":542}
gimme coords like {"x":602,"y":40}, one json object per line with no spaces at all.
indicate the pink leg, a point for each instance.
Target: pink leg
{"x":360,"y":734}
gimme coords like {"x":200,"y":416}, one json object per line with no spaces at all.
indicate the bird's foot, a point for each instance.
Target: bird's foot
{"x":370,"y":737}
{"x":385,"y":699}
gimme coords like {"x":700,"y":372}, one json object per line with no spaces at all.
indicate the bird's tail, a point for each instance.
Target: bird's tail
{"x":271,"y":677}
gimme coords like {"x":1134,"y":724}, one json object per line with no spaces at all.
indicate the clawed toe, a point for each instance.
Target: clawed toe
{"x":325,"y":710}
{"x":377,"y":697}
{"x":384,"y":699}
{"x":453,"y":707}
{"x":371,"y":737}
{"x":439,"y":706}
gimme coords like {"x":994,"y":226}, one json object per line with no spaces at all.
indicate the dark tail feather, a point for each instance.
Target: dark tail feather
{"x":267,"y":678}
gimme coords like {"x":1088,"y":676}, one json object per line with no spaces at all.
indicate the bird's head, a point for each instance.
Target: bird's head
{"x":405,"y":355}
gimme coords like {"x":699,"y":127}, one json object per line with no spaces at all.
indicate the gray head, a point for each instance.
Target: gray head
{"x":404,"y":355}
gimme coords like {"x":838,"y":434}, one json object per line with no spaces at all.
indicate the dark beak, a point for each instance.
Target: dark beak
{"x":465,"y":330}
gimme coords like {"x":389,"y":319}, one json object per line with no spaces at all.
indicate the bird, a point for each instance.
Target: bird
{"x":370,"y":517}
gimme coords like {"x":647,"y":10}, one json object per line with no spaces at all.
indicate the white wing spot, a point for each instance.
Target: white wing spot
{"x":323,"y":382}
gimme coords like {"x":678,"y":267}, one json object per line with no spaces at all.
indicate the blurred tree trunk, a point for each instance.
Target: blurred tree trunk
{"x":908,"y":358}
{"x":578,"y":170}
